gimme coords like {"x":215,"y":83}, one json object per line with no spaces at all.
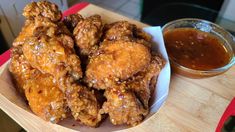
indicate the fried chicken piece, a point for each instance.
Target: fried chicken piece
{"x":26,"y":31}
{"x":144,"y":83}
{"x":39,"y":34}
{"x":20,"y":68}
{"x":50,"y":49}
{"x":116,"y":60}
{"x":50,"y":55}
{"x":48,"y":46}
{"x":87,"y":34}
{"x":40,"y":26}
{"x":127,"y":101}
{"x":84,"y":105}
{"x":72,"y":20}
{"x":45,"y":98}
{"x":42,"y":9}
{"x":53,"y":56}
{"x":123,"y":30}
{"x":123,"y":106}
{"x":40,"y":17}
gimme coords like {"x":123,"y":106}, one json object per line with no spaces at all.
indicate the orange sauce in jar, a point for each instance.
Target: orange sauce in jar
{"x":195,"y":49}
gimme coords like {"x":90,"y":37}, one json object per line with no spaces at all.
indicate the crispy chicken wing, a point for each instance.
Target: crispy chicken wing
{"x":42,"y":9}
{"x":53,"y":55}
{"x":87,"y":34}
{"x":40,"y":25}
{"x":125,"y":68}
{"x":50,"y":49}
{"x":115,"y":61}
{"x":123,"y":106}
{"x":127,"y":101}
{"x":44,"y":97}
{"x":84,"y":105}
{"x":72,"y":20}
{"x":52,"y":58}
{"x":20,"y":68}
{"x":123,"y":30}
{"x":144,"y":83}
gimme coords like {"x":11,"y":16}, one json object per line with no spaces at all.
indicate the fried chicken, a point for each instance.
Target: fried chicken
{"x":84,"y":105}
{"x":123,"y":106}
{"x":87,"y":34}
{"x":123,"y":30}
{"x":125,"y":67}
{"x":51,"y":57}
{"x":44,"y":97}
{"x":127,"y":101}
{"x":42,"y":9}
{"x":54,"y":56}
{"x":72,"y":20}
{"x":116,"y":60}
{"x":40,"y":27}
{"x":20,"y":68}
{"x":144,"y":83}
{"x":49,"y":48}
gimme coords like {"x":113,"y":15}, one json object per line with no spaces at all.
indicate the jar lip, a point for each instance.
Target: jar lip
{"x":195,"y":19}
{"x":220,"y":69}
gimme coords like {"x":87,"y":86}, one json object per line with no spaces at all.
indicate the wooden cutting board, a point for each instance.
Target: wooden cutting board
{"x":192,"y":104}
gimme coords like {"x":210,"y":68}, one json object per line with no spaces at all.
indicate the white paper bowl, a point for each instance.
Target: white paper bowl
{"x":16,"y":107}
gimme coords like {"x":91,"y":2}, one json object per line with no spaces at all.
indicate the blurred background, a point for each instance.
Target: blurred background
{"x":152,"y":12}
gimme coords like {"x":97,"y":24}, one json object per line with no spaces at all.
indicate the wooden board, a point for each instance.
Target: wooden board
{"x":192,"y":105}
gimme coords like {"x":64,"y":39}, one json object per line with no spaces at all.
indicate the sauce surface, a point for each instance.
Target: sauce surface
{"x":195,"y":49}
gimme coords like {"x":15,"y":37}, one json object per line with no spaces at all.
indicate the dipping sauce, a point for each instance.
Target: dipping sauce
{"x":195,"y":49}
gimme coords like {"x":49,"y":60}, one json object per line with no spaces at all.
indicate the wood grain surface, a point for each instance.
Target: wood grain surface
{"x":192,"y":104}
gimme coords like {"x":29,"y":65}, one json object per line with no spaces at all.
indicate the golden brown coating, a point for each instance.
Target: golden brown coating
{"x":87,"y":34}
{"x":53,"y":45}
{"x":26,"y":31}
{"x":48,"y":48}
{"x":123,"y":30}
{"x":20,"y":68}
{"x":127,"y":101}
{"x":72,"y":20}
{"x":116,"y":60}
{"x":40,"y":26}
{"x":43,"y":9}
{"x":45,"y":98}
{"x":123,"y":106}
{"x":84,"y":105}
{"x":47,"y":69}
{"x":53,"y":56}
{"x":49,"y":56}
{"x":144,"y":83}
